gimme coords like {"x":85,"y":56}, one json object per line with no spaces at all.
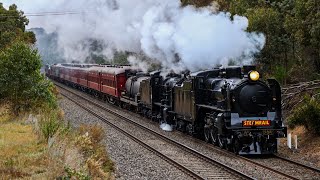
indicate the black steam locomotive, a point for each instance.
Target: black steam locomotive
{"x":229,"y":107}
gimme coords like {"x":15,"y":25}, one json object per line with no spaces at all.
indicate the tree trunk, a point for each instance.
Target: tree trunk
{"x":285,"y":66}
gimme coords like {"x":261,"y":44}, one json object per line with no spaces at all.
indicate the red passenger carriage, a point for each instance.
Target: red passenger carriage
{"x":107,"y":81}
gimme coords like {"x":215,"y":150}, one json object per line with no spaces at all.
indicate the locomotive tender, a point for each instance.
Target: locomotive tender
{"x":229,"y":107}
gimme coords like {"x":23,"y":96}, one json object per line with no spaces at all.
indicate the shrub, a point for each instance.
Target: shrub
{"x":72,"y":173}
{"x":307,"y":115}
{"x":50,"y":124}
{"x":85,"y":144}
{"x":95,"y":132}
{"x":21,"y":81}
{"x":280,"y":74}
{"x":89,"y":139}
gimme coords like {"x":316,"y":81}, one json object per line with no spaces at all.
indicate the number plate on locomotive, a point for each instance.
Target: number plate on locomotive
{"x":256,"y":123}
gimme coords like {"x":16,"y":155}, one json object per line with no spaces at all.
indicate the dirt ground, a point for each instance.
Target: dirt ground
{"x":308,"y":150}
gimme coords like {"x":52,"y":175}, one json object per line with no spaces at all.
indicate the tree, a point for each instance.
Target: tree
{"x":306,"y":31}
{"x":197,"y":3}
{"x":120,"y":58}
{"x":96,"y":48}
{"x":21,"y":81}
{"x":12,"y":29}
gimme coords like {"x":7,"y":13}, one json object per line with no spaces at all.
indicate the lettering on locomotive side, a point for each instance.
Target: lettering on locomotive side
{"x":248,"y":123}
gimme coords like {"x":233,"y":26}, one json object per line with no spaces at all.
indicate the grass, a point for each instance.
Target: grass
{"x":26,"y":153}
{"x":97,"y":160}
{"x":22,"y":154}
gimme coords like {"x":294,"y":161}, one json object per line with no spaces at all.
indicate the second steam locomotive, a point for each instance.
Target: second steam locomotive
{"x":229,"y":107}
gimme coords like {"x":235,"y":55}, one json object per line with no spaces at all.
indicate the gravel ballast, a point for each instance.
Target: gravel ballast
{"x":132,"y":161}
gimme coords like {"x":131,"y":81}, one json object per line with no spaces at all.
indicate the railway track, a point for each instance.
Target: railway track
{"x":295,"y":169}
{"x":191,"y":162}
{"x":201,"y":161}
{"x":297,"y":163}
{"x":277,"y":164}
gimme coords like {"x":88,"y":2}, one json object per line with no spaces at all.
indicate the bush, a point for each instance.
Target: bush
{"x":280,"y":74}
{"x":72,"y":173}
{"x":50,"y":124}
{"x":307,"y":115}
{"x":95,"y":132}
{"x":21,"y":81}
{"x":85,"y":144}
{"x":89,"y":139}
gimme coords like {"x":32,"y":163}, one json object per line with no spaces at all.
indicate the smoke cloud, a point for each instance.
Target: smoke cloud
{"x":176,"y":37}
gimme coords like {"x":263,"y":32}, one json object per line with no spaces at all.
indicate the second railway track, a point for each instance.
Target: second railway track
{"x":202,"y":167}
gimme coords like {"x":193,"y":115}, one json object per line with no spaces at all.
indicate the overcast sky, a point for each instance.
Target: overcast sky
{"x":38,"y":6}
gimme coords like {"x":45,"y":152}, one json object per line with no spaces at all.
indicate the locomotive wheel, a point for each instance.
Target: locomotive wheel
{"x":221,"y":142}
{"x":189,"y":129}
{"x":206,"y":133}
{"x":214,"y":135}
{"x":111,"y":100}
{"x":236,"y":146}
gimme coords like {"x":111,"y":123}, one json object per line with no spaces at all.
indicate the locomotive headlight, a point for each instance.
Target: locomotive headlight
{"x":254,"y":75}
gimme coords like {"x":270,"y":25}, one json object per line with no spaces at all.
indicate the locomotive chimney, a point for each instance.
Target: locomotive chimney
{"x":248,"y":68}
{"x":233,"y":72}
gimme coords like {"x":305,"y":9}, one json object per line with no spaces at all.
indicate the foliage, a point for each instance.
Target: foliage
{"x":197,"y":3}
{"x":89,"y":142}
{"x":280,"y":74}
{"x":72,"y":173}
{"x":96,"y":132}
{"x":89,"y":139}
{"x":20,"y":78}
{"x":50,"y":124}
{"x":21,"y":81}
{"x":307,"y":115}
{"x":96,"y":48}
{"x":12,"y":27}
{"x":85,"y":144}
{"x":120,"y":58}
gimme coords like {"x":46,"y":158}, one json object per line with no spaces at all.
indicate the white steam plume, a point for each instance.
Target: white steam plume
{"x":177,"y":37}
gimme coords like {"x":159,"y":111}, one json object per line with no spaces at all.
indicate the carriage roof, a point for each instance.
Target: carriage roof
{"x":115,"y":70}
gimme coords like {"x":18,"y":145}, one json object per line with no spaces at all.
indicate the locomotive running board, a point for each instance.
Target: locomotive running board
{"x":128,"y":101}
{"x":211,"y":107}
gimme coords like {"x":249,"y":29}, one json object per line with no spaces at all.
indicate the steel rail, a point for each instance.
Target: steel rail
{"x":225,"y":152}
{"x":297,"y":163}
